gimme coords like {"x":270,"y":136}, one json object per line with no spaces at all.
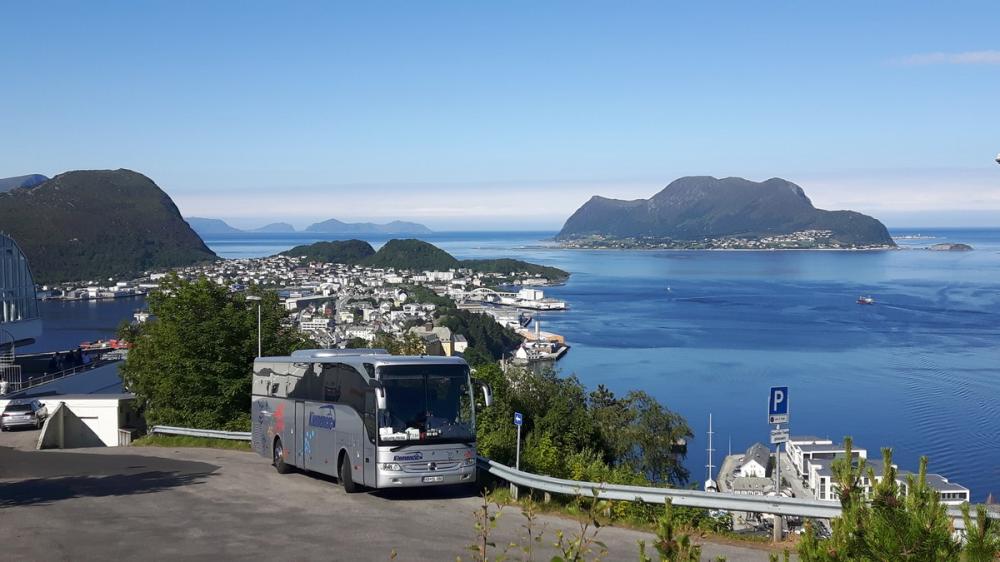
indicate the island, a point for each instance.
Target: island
{"x":950,"y":248}
{"x":702,"y":212}
{"x":418,"y":255}
{"x":213,"y":227}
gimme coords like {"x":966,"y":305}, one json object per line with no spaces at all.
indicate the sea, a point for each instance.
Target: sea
{"x":709,"y":332}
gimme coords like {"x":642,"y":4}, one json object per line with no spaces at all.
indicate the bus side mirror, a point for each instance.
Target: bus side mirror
{"x":487,"y":394}
{"x":380,"y":402}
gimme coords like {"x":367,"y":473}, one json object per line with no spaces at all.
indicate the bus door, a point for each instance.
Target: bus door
{"x":369,"y":431}
{"x":298,"y":432}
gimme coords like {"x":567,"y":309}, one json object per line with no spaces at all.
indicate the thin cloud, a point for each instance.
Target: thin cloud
{"x":968,"y":57}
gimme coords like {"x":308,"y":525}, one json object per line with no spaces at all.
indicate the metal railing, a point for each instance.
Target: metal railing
{"x":49,"y":377}
{"x":207,"y":433}
{"x":797,"y":507}
{"x":800,"y":507}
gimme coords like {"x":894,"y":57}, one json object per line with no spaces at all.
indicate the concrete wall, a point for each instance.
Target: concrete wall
{"x":87,"y":422}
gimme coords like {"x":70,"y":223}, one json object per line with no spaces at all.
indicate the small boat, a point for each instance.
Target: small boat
{"x":866,"y":300}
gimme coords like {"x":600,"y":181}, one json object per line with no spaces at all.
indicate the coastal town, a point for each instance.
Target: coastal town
{"x":339,"y":305}
{"x":799,"y":240}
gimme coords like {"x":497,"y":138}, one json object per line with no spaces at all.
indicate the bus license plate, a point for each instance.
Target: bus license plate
{"x":433,"y":478}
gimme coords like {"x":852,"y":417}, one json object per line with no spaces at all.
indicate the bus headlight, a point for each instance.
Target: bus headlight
{"x":470,"y":461}
{"x":391,"y":466}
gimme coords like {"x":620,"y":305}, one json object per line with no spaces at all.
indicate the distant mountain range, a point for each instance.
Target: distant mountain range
{"x":700,"y":207}
{"x":30,"y":180}
{"x":334,"y":226}
{"x":96,"y":224}
{"x":415,"y":255}
{"x":205,"y":226}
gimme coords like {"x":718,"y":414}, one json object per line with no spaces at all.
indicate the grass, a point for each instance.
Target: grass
{"x":187,"y":441}
{"x":565,"y":507}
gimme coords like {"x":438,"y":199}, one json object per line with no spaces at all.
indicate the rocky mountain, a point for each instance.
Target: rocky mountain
{"x":334,"y":226}
{"x":699,"y":207}
{"x":96,"y":224}
{"x":205,"y":226}
{"x":30,"y":180}
{"x":276,"y":227}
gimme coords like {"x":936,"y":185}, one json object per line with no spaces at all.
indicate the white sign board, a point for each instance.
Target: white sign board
{"x":779,"y":436}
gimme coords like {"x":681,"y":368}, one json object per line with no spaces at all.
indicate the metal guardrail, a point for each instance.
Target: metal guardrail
{"x":209,"y":433}
{"x":798,"y":507}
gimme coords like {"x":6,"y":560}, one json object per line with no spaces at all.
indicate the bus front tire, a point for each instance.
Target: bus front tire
{"x":345,"y":476}
{"x":278,"y":458}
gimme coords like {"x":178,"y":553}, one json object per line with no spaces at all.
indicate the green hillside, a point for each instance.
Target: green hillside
{"x":349,"y":252}
{"x":98,"y":224}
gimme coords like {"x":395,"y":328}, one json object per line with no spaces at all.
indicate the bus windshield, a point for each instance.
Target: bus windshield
{"x":426,"y":403}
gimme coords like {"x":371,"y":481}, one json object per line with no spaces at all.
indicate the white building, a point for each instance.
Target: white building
{"x":754,"y":463}
{"x":315,"y":323}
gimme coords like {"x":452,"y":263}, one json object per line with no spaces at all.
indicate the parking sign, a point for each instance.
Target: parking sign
{"x":777,"y":405}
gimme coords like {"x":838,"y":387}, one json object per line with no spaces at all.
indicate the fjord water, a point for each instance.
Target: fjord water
{"x":710,"y":331}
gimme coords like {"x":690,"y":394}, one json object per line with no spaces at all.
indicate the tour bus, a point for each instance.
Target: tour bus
{"x":370,"y":419}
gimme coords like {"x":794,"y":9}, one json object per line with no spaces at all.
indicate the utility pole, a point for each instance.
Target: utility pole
{"x":259,"y":336}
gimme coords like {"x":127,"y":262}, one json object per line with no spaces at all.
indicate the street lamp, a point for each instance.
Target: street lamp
{"x":257,"y":299}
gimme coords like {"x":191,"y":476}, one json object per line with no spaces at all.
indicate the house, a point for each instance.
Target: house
{"x":435,"y":338}
{"x":755,"y":461}
{"x":752,"y":486}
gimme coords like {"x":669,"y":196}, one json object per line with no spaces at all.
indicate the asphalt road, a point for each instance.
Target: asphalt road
{"x":188,"y":504}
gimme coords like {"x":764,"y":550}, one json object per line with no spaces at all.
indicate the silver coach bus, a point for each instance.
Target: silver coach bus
{"x":368,"y":418}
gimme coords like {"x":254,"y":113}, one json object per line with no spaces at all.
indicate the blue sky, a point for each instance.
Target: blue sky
{"x":509,"y":114}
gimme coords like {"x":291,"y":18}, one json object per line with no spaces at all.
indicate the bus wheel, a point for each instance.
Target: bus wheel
{"x":345,"y":476}
{"x":279,"y":458}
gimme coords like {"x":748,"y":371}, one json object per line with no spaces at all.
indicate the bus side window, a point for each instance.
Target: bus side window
{"x":332,"y":382}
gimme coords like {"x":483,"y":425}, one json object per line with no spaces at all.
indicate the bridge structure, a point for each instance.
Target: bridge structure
{"x":485,"y":294}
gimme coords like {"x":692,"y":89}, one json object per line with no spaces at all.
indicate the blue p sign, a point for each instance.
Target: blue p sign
{"x":518,"y":418}
{"x":778,"y":403}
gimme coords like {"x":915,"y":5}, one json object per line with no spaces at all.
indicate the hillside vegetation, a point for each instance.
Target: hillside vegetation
{"x":96,"y":224}
{"x":350,"y":252}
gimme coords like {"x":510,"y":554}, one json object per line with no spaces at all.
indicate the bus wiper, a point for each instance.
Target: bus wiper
{"x":400,"y":447}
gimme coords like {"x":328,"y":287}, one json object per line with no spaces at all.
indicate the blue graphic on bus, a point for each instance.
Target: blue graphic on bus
{"x":325,"y":420}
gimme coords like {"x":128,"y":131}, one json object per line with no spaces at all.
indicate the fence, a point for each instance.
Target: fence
{"x":208,"y":433}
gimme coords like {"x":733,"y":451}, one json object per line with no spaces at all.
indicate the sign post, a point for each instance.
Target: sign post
{"x":777,"y":414}
{"x":518,"y":420}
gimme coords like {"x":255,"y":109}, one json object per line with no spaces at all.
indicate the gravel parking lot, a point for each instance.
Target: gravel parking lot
{"x":162,"y":503}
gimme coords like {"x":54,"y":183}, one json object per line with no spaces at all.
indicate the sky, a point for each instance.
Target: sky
{"x":508,"y":115}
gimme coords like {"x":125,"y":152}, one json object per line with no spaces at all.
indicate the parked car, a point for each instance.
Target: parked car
{"x":23,"y":413}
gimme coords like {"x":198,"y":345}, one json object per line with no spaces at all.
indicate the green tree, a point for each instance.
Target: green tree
{"x":641,"y":433}
{"x":192,"y":363}
{"x":982,"y":536}
{"x":671,"y":545}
